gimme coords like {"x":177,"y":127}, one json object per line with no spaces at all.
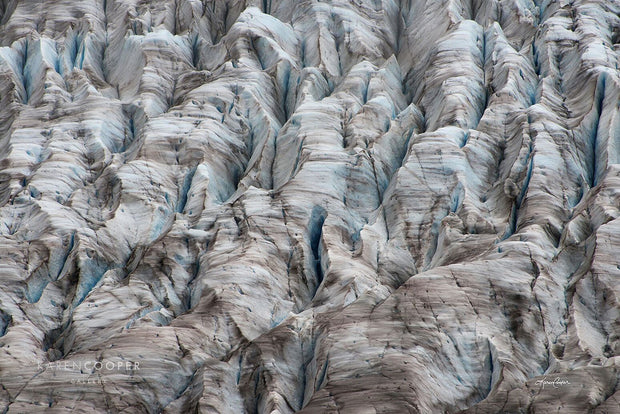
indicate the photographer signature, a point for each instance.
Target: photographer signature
{"x":556,"y":383}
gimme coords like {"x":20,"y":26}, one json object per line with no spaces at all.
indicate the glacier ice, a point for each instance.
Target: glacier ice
{"x":309,"y":206}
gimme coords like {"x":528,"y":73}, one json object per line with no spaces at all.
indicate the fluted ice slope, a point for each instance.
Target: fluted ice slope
{"x":228,"y":206}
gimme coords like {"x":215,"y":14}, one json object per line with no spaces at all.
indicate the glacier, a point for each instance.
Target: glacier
{"x":281,"y":206}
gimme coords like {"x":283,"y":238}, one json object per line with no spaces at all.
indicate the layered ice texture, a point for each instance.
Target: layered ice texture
{"x":309,"y":206}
